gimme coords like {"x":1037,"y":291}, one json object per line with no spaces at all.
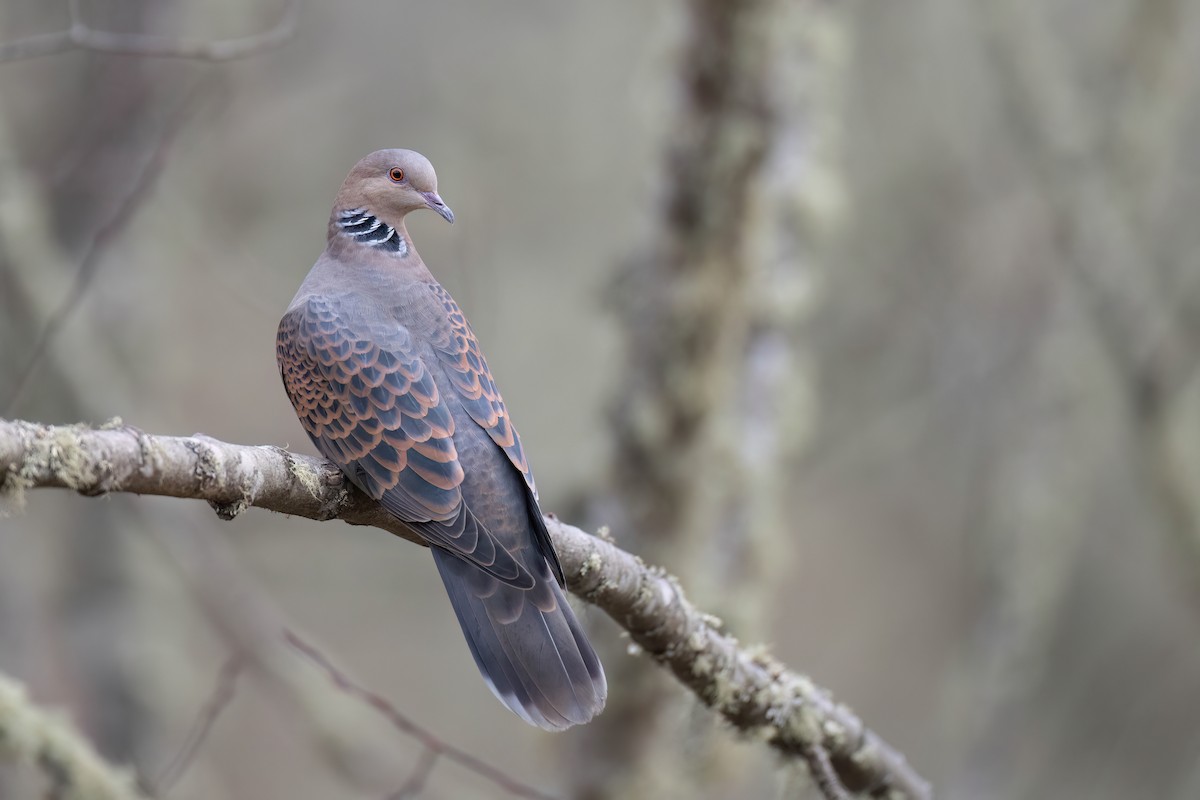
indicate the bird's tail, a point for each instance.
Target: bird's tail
{"x":527,"y":643}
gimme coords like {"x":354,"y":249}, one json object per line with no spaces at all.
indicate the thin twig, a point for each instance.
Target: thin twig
{"x":102,"y":239}
{"x":81,"y":36}
{"x":1145,"y":322}
{"x":824,"y":775}
{"x":221,"y":696}
{"x":1120,"y":274}
{"x":420,"y":776}
{"x":393,"y":715}
{"x":262,"y":636}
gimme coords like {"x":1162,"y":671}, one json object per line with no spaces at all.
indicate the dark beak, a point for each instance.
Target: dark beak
{"x":433,"y":201}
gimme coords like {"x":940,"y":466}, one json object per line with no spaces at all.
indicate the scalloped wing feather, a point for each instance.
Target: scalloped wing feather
{"x":371,"y":406}
{"x":472,"y":380}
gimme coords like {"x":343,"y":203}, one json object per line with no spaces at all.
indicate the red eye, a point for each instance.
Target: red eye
{"x":396,"y":174}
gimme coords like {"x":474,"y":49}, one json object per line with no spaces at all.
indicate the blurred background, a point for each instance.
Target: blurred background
{"x":876,"y":322}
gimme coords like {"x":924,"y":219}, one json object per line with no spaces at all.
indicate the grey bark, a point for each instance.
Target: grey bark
{"x":751,"y":690}
{"x":709,"y":371}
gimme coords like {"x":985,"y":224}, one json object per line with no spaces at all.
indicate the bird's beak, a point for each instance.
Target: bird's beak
{"x":433,"y":201}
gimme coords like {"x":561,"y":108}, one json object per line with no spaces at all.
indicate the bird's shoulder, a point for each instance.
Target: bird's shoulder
{"x":387,"y":312}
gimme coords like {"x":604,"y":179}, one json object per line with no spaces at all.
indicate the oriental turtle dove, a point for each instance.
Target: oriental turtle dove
{"x":388,"y":380}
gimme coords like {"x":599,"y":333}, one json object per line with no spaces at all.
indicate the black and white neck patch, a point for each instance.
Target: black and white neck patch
{"x":365,"y":228}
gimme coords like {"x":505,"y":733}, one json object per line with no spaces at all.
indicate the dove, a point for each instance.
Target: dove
{"x":389,"y":382}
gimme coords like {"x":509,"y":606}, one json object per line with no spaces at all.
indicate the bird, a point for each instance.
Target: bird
{"x":388,"y":380}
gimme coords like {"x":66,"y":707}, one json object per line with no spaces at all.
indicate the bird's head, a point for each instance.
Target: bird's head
{"x":391,"y":183}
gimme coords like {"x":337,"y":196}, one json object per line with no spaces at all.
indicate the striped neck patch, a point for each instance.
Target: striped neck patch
{"x":365,"y":228}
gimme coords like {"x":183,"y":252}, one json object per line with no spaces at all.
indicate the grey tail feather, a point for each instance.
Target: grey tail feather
{"x":537,"y":662}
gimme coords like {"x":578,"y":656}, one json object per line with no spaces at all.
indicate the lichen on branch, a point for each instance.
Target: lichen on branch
{"x":752,"y":691}
{"x":31,"y":736}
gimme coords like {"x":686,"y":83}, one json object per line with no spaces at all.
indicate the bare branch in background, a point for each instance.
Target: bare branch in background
{"x":434,"y":747}
{"x":1148,"y":328}
{"x":221,"y":697}
{"x":81,"y":36}
{"x":348,"y":722}
{"x":108,"y":232}
{"x":752,"y":691}
{"x":820,"y":767}
{"x":708,"y":412}
{"x":1119,"y":272}
{"x":420,"y":776}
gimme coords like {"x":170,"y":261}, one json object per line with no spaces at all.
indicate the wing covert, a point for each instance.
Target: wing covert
{"x":471,"y":378}
{"x":370,"y":405}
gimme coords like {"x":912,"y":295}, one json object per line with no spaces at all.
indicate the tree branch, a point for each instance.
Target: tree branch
{"x":270,"y":648}
{"x":124,"y":210}
{"x":221,"y":696}
{"x":84,"y":37}
{"x":748,"y":688}
{"x":434,"y":748}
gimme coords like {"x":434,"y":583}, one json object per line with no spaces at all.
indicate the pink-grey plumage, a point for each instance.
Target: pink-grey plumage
{"x":388,"y":380}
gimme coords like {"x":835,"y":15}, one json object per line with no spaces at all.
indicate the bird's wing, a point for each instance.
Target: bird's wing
{"x":471,"y":378}
{"x":468,"y":372}
{"x":371,"y":406}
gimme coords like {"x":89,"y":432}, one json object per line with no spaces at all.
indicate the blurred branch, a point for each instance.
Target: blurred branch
{"x":752,"y":691}
{"x":349,"y":723}
{"x":434,"y":747}
{"x":1143,"y":127}
{"x":699,"y":444}
{"x":820,"y":767}
{"x":222,"y":695}
{"x":420,"y":776}
{"x":81,"y":36}
{"x":128,"y":205}
{"x":29,"y":735}
{"x":1149,"y":341}
{"x":1151,"y":338}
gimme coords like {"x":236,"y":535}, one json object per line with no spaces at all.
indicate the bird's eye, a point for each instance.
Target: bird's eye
{"x":396,"y":174}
